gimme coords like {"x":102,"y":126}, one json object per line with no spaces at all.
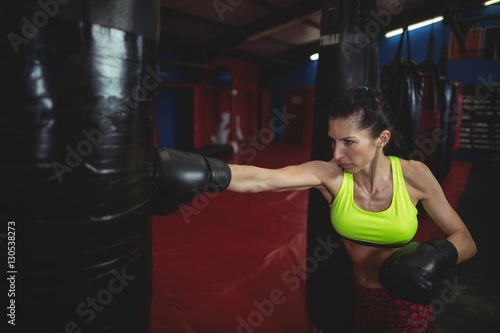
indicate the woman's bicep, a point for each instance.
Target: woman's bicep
{"x":435,"y":202}
{"x":446,"y":218}
{"x":441,"y":212}
{"x":297,"y":177}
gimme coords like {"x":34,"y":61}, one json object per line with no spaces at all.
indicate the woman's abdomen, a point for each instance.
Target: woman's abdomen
{"x":366,"y":262}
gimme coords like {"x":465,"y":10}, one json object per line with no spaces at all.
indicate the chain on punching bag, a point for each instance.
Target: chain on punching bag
{"x":76,"y":172}
{"x":348,"y":57}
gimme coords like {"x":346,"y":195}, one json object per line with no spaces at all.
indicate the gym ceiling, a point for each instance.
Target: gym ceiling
{"x":277,"y":31}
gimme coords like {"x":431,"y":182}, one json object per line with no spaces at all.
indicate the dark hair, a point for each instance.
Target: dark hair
{"x":370,"y":110}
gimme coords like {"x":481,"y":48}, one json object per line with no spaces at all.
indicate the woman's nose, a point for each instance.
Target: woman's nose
{"x":337,"y":152}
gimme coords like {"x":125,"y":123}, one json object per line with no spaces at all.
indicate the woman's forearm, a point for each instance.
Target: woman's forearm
{"x":247,"y":178}
{"x":465,"y":245}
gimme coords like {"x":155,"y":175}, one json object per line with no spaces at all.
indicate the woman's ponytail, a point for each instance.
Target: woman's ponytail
{"x":397,"y":146}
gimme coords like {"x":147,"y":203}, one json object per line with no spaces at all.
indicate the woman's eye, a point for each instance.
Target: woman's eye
{"x":348,"y":142}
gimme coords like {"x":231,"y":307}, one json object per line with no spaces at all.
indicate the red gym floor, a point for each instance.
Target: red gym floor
{"x":228,"y":262}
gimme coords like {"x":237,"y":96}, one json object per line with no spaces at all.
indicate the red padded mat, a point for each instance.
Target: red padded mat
{"x":234,"y":262}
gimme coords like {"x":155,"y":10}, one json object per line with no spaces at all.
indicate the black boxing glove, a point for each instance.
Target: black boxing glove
{"x":179,"y":177}
{"x":411,"y":272}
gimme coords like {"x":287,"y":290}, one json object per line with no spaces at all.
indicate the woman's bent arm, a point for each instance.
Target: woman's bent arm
{"x":446,"y":218}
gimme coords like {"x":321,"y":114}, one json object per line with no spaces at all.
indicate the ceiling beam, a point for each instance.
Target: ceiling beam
{"x":206,"y":51}
{"x":427,"y":10}
{"x":166,"y":12}
{"x":300,"y":53}
{"x":265,"y":4}
{"x":278,"y":17}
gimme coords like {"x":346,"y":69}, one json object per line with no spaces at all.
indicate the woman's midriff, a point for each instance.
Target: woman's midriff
{"x":366,"y":262}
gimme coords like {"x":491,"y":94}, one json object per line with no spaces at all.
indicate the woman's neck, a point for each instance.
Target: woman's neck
{"x":376,"y":175}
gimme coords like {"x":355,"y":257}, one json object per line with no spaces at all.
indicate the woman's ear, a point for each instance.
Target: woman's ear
{"x":384,"y":138}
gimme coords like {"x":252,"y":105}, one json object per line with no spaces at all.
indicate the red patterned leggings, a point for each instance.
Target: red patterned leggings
{"x":378,"y":312}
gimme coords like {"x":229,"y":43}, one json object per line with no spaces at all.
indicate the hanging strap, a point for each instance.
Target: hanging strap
{"x":400,"y":44}
{"x":430,"y":52}
{"x":408,"y":48}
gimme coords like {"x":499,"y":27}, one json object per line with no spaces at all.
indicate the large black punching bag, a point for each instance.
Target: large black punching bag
{"x":348,"y":57}
{"x":430,"y":114}
{"x":78,"y":79}
{"x":402,"y":84}
{"x":450,"y":102}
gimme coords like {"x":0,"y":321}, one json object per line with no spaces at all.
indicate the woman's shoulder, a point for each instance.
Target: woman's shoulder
{"x":323,"y":171}
{"x":413,"y":166}
{"x":416,"y":173}
{"x":327,"y":168}
{"x":331,"y":175}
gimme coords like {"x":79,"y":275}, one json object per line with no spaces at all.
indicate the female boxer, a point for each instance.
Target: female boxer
{"x":372,"y":195}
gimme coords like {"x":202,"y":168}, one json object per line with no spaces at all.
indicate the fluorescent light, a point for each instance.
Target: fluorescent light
{"x":415,"y":26}
{"x":394,"y":33}
{"x":424,"y":23}
{"x":314,"y":56}
{"x":491,"y":2}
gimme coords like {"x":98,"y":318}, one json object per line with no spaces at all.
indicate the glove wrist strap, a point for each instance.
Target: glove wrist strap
{"x":447,"y":249}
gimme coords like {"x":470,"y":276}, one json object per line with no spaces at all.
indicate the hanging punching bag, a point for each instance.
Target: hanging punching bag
{"x":348,"y":57}
{"x":450,"y":123}
{"x":78,"y":79}
{"x":446,"y":105}
{"x":401,"y":83}
{"x":450,"y":104}
{"x":430,"y":116}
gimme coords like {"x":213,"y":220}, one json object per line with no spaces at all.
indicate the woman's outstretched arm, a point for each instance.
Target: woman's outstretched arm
{"x":247,"y":178}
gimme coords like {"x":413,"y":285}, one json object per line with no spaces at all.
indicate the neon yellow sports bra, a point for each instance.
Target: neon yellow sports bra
{"x":394,"y":226}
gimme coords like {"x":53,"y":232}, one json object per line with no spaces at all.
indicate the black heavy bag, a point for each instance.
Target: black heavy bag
{"x":445,"y":105}
{"x":450,"y":101}
{"x":401,"y":83}
{"x":348,"y":57}
{"x":78,"y":79}
{"x":450,"y":123}
{"x":429,"y":138}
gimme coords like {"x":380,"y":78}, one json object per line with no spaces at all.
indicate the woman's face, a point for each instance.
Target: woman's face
{"x":353,"y":148}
